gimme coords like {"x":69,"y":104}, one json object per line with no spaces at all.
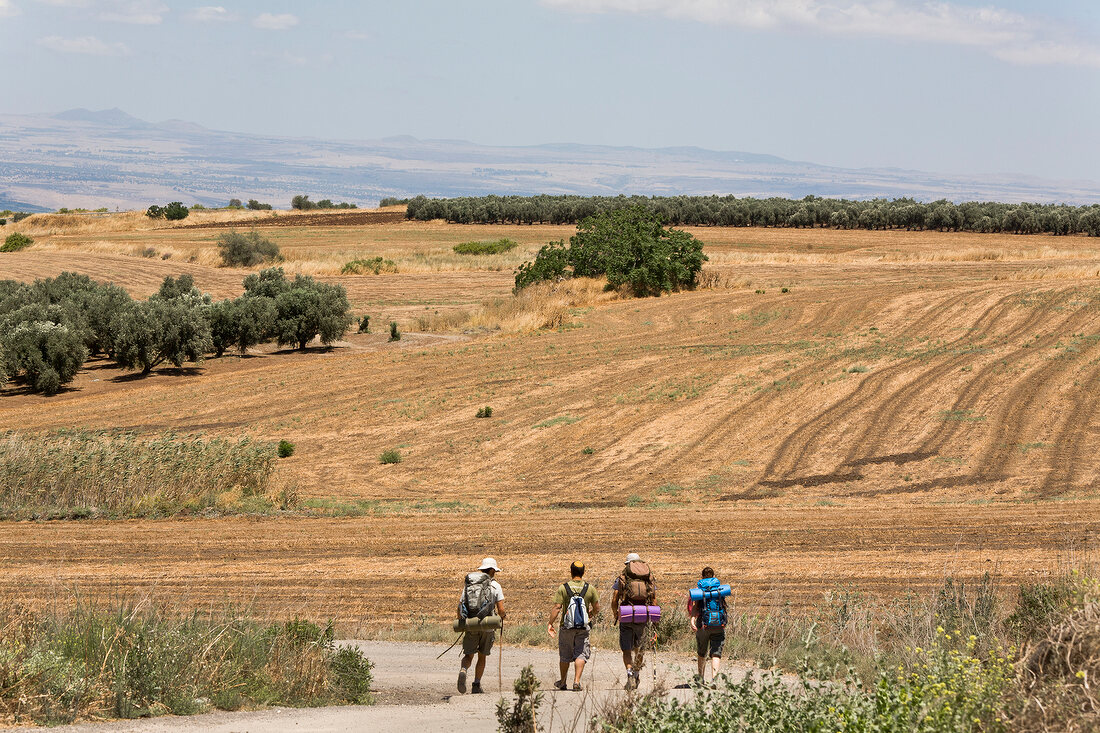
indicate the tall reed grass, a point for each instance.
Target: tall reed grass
{"x":135,"y":660}
{"x":72,"y":474}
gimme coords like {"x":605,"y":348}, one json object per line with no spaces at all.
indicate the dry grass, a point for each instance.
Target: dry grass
{"x":543,"y":305}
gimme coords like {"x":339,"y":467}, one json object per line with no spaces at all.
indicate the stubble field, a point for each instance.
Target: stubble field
{"x":917,"y":405}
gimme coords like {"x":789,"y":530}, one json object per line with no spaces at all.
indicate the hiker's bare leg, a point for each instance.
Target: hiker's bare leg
{"x":716,"y":664}
{"x":480,"y":669}
{"x":465,"y":664}
{"x":628,"y":660}
{"x":564,"y":667}
{"x":578,"y":667}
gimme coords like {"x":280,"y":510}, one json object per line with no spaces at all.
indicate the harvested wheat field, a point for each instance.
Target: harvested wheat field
{"x":874,"y":409}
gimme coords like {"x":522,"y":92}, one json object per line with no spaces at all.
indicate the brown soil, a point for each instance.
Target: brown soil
{"x":911,"y":408}
{"x":350,"y":218}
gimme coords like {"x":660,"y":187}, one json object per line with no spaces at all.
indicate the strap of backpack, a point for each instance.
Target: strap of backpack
{"x":568,"y":591}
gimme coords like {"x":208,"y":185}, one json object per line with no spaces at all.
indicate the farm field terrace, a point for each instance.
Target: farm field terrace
{"x":915,"y":405}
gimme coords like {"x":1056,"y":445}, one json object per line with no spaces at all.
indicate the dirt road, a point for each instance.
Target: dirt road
{"x":415,"y":692}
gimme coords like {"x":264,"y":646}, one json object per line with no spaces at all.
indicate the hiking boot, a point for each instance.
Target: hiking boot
{"x":476,"y":689}
{"x":559,"y":685}
{"x":631,"y":681}
{"x":576,"y":687}
{"x":462,"y":680}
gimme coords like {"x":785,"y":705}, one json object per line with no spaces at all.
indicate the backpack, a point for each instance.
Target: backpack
{"x":636,"y":584}
{"x":477,"y":598}
{"x":713,"y":609}
{"x":575,"y":613}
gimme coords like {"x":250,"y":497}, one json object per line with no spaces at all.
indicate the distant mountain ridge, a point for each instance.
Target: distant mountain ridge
{"x":86,"y":158}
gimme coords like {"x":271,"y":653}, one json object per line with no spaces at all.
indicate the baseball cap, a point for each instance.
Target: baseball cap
{"x":632,"y":557}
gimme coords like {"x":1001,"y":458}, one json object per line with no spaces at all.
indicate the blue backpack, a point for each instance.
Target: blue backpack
{"x":713,"y":611}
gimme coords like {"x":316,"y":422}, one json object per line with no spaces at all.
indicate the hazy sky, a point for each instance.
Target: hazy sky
{"x":948,"y":86}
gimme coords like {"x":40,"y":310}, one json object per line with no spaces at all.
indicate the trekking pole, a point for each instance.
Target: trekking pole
{"x":500,"y":661}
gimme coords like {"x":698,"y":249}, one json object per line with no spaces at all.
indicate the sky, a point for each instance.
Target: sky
{"x":949,"y":86}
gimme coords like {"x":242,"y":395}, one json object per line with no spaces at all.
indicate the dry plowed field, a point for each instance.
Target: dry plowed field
{"x":916,"y":405}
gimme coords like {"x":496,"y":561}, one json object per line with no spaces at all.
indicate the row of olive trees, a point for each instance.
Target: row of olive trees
{"x":301,"y":202}
{"x":812,"y":211}
{"x":48,"y":329}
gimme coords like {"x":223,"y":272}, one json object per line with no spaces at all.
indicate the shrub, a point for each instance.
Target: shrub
{"x":393,"y":201}
{"x":254,"y":205}
{"x":234,"y":204}
{"x":286,"y":449}
{"x":15,"y":242}
{"x":524,"y":713}
{"x":19,"y":216}
{"x":395,"y":335}
{"x":551,"y":263}
{"x":375,"y":265}
{"x":943,"y":690}
{"x":139,"y":660}
{"x":246,"y":250}
{"x":588,"y":450}
{"x":485,"y":248}
{"x":155,"y":212}
{"x":3,"y":222}
{"x":485,"y":412}
{"x":364,"y":324}
{"x":390,"y":456}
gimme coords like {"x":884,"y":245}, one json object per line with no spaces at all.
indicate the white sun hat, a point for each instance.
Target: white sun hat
{"x":489,"y":564}
{"x":632,"y":557}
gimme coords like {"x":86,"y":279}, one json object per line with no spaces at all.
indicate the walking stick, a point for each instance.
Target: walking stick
{"x":500,"y":661}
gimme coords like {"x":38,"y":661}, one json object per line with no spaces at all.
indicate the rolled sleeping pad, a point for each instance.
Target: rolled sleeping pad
{"x":698,"y":594}
{"x":639,"y":614}
{"x":488,"y":623}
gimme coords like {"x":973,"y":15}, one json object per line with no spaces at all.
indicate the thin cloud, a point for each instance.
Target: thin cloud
{"x":135,"y":12}
{"x":270,"y":22}
{"x":1004,"y":34}
{"x":67,"y":3}
{"x":8,"y":9}
{"x":211,"y":14}
{"x":86,"y":45}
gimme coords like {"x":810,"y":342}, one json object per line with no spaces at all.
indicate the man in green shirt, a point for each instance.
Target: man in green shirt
{"x":575,"y":603}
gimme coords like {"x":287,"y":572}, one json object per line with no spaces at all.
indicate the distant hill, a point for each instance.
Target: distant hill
{"x":85,"y":158}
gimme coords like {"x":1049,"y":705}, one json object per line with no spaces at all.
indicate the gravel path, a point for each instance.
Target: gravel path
{"x":416,"y":693}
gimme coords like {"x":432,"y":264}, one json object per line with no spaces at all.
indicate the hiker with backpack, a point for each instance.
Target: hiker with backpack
{"x":480,"y":614}
{"x":575,"y":603}
{"x":707,"y":614}
{"x":633,"y":601}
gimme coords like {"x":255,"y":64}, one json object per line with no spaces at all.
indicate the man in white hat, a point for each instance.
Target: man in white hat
{"x":490,"y":597}
{"x":633,"y":587}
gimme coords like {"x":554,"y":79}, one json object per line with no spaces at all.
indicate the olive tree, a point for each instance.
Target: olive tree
{"x":40,"y":345}
{"x":158,"y":330}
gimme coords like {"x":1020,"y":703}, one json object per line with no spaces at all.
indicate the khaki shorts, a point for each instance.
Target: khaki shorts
{"x":478,"y":642}
{"x":574,"y":645}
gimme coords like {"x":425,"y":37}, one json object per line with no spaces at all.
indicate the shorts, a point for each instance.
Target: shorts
{"x":709,"y":641}
{"x":574,"y":645}
{"x":631,"y":636}
{"x":478,"y":642}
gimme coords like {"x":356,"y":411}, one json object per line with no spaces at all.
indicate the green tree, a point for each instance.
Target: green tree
{"x":39,"y":345}
{"x":630,"y":247}
{"x":241,"y":323}
{"x":155,"y":212}
{"x":302,"y":203}
{"x":254,"y":205}
{"x":157,"y":330}
{"x":176,"y":211}
{"x":311,"y":309}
